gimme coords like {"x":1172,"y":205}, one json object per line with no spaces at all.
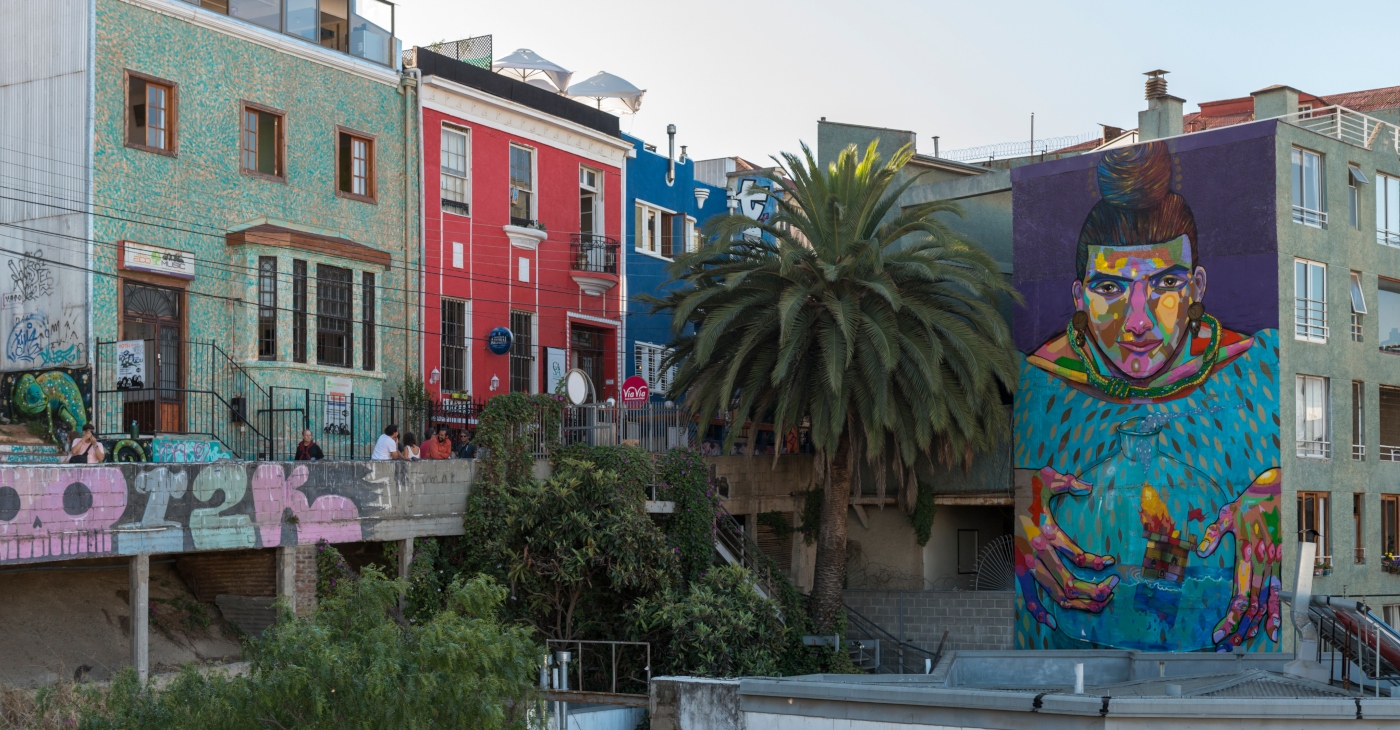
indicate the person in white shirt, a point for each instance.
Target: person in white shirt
{"x":410,"y":451}
{"x":387,"y":447}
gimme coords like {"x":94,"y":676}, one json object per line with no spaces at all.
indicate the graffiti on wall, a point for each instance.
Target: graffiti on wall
{"x":1146,"y":427}
{"x":61,"y":398}
{"x":62,"y":512}
{"x":43,"y":311}
{"x":187,"y":450}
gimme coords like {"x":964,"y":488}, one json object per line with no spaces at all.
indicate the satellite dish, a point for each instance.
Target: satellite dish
{"x":995,"y":569}
{"x":577,"y":386}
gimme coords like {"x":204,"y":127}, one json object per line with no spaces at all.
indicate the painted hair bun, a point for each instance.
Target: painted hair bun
{"x":1137,"y":177}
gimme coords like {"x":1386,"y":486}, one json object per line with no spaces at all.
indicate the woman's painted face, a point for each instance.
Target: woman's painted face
{"x":1137,"y":299}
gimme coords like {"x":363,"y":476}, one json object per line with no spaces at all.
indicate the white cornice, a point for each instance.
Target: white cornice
{"x":270,"y":39}
{"x":590,"y":318}
{"x":476,"y":106}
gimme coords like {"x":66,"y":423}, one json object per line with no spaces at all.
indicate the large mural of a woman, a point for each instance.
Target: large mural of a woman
{"x":1149,"y":430}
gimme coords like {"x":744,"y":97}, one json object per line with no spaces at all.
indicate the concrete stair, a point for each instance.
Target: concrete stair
{"x":31,"y":454}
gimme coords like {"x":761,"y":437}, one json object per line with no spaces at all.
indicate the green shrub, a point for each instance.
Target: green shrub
{"x":719,"y":627}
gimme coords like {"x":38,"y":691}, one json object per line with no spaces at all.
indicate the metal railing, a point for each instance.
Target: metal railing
{"x":1314,"y":449}
{"x":1352,"y":127}
{"x":1388,"y":238}
{"x":1310,"y":319}
{"x":654,"y":428}
{"x":1310,"y":217}
{"x":1389,"y":453}
{"x":736,"y":547}
{"x":1357,"y":333}
{"x":603,"y":672}
{"x":185,"y":387}
{"x":890,"y":655}
{"x":1358,"y":452}
{"x":476,"y":51}
{"x":591,"y":252}
{"x":347,"y":428}
{"x":1003,"y":150}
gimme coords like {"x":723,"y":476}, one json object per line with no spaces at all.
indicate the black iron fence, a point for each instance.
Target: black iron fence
{"x":591,"y":252}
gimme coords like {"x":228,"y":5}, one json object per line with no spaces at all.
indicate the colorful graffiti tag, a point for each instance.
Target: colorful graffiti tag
{"x":59,"y":512}
{"x":1147,"y":429}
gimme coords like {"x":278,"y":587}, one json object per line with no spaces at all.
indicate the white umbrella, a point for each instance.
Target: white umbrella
{"x":604,"y":86}
{"x":526,"y":65}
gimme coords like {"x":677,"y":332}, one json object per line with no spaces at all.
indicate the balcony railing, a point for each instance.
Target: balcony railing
{"x":1352,"y":127}
{"x":366,"y":31}
{"x":1310,"y":320}
{"x":1316,"y":449}
{"x":1389,"y":453}
{"x":591,"y":252}
{"x":1358,"y":452}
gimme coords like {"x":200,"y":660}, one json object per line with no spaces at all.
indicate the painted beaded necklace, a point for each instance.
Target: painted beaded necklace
{"x":1121,"y":389}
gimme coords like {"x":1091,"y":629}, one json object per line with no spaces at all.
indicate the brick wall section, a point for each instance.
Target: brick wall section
{"x":232,"y":572}
{"x":306,"y":579}
{"x":975,"y":620}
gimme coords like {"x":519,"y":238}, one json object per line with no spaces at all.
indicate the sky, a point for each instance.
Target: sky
{"x":753,"y":80}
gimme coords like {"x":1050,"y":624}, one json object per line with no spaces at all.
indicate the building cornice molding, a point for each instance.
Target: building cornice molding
{"x":478,"y":107}
{"x":593,"y":319}
{"x":270,"y":39}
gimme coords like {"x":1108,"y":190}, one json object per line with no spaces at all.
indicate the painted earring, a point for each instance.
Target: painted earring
{"x":1080,"y":320}
{"x":1195,"y":312}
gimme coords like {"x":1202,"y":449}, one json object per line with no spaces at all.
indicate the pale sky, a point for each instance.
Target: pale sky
{"x":754,"y":78}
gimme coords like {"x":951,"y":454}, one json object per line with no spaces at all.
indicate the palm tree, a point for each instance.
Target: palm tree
{"x":873,"y":325}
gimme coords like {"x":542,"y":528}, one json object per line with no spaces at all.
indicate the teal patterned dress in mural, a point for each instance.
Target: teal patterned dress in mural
{"x":1158,"y":477}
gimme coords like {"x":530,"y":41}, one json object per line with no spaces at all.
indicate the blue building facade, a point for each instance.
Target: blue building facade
{"x":665,"y":221}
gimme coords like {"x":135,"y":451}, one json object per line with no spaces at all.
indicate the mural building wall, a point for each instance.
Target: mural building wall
{"x":1147,"y":412}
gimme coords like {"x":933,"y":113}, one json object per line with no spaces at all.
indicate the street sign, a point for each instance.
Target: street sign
{"x":635,"y":392}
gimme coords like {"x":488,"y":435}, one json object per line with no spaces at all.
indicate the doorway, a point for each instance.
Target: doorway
{"x":154,"y":315}
{"x":586,"y":354}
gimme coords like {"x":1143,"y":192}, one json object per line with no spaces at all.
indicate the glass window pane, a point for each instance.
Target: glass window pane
{"x":1297,"y":178}
{"x":1392,"y":205}
{"x":303,"y":19}
{"x":1358,"y":298}
{"x":267,"y":13}
{"x":371,"y":30}
{"x":1388,"y":302}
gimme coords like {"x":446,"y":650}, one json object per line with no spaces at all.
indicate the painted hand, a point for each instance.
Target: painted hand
{"x":1254,"y":520}
{"x":1041,"y":549}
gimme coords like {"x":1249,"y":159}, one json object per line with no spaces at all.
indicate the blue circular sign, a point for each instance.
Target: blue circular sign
{"x":499,"y":340}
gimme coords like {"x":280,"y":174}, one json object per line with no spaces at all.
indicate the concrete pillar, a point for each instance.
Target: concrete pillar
{"x":139,"y":573}
{"x":287,"y":576}
{"x":405,"y":563}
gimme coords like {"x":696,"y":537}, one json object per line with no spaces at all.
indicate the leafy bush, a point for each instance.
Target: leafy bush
{"x":331,"y":569}
{"x":683,"y":479}
{"x":719,"y":627}
{"x":356,"y":663}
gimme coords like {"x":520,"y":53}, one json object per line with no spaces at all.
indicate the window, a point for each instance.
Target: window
{"x":267,"y":307}
{"x":1310,"y":299}
{"x":367,"y":31}
{"x":1358,"y":544}
{"x":1355,"y":179}
{"x":454,"y":345}
{"x":656,"y":228}
{"x":333,"y":295}
{"x":522,"y":353}
{"x":298,"y":310}
{"x":1388,"y":210}
{"x":522,"y":186}
{"x":355,"y":162}
{"x":1358,"y":420}
{"x":1390,"y":523}
{"x":150,"y":113}
{"x":692,"y":236}
{"x":1388,"y":314}
{"x":457,"y":254}
{"x":590,"y":201}
{"x":1308,"y":203}
{"x":456,"y":193}
{"x":1358,"y":308}
{"x":1391,"y":613}
{"x":1312,"y":523}
{"x":1390,"y":423}
{"x":1311,"y":417}
{"x":648,"y":361}
{"x":367,"y":306}
{"x":263,"y":136}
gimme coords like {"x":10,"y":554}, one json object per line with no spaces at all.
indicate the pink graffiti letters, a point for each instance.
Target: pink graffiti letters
{"x":331,"y":517}
{"x":47,"y":511}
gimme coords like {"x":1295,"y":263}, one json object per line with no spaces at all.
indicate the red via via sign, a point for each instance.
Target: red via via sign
{"x":635,"y":392}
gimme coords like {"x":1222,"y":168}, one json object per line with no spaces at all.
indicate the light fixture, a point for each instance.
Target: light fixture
{"x":495,"y":383}
{"x":434,"y":376}
{"x":612,"y":402}
{"x":701,"y":195}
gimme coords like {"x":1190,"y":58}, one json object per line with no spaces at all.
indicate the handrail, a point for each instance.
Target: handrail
{"x":1347,"y":125}
{"x":875,"y":631}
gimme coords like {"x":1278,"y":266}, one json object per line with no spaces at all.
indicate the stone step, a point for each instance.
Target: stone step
{"x":31,"y":454}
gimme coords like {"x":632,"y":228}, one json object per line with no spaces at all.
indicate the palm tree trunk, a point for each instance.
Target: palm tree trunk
{"x":829,"y":579}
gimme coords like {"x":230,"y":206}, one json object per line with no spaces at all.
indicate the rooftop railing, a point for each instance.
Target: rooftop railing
{"x":1352,"y":127}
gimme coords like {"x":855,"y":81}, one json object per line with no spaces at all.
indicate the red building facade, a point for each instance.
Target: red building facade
{"x":523,"y":204}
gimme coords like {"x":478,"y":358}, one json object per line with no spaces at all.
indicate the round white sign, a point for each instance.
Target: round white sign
{"x":577,"y":386}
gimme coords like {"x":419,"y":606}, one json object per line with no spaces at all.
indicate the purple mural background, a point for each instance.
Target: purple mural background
{"x":1234,"y":213}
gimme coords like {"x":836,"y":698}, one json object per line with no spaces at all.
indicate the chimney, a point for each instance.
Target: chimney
{"x":1275,"y":101}
{"x":1163,"y":115}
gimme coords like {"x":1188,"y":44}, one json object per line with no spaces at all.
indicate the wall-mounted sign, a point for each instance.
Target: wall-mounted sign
{"x":499,"y":340}
{"x":339,"y":391}
{"x":156,"y":260}
{"x":555,"y":366}
{"x":131,"y":365}
{"x":635,"y":392}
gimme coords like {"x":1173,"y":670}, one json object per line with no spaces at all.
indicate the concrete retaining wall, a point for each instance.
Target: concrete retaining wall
{"x":61,"y":512}
{"x":693,"y":703}
{"x":975,"y":620}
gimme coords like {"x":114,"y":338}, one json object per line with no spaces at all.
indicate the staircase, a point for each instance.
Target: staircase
{"x":31,"y":454}
{"x":735,"y":547}
{"x":877,"y":651}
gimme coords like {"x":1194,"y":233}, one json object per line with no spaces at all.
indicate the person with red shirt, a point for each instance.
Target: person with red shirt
{"x":437,"y":447}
